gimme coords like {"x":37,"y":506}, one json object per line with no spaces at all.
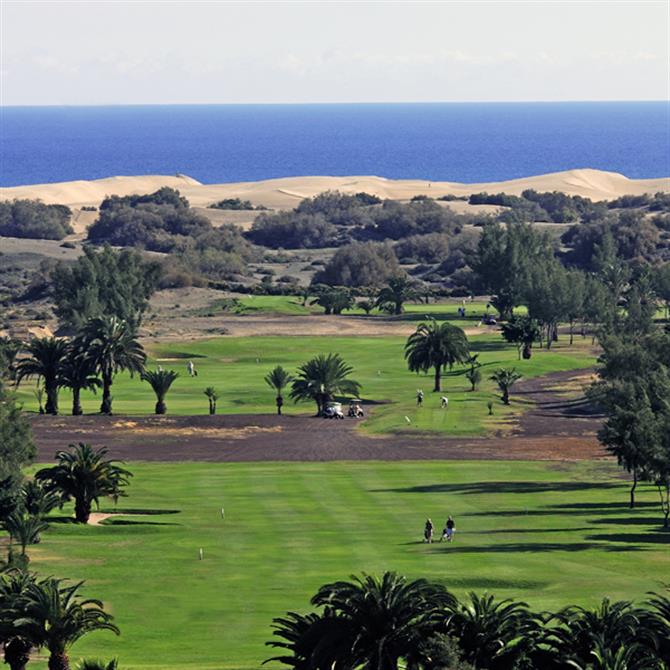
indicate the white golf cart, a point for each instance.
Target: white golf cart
{"x":333,"y":410}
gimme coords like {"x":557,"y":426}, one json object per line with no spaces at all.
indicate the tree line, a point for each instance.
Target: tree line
{"x":390,"y":622}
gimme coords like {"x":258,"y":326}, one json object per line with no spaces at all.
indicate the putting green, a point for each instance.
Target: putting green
{"x":551,"y":534}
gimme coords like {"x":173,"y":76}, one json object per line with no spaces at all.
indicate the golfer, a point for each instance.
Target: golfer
{"x":428,"y":531}
{"x":449,"y":529}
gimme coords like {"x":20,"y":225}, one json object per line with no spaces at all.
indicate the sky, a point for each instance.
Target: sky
{"x":94,"y":52}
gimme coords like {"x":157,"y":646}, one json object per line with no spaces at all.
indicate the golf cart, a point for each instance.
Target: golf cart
{"x":333,"y":410}
{"x":355,"y":409}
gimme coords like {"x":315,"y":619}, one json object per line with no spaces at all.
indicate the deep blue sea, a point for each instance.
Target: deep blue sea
{"x":465,"y":142}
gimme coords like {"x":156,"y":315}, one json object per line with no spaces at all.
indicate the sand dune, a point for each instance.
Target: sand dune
{"x":287,"y":192}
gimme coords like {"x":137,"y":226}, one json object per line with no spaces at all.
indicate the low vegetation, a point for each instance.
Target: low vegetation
{"x":33,"y":219}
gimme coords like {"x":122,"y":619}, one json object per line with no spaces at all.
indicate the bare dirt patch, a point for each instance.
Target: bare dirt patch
{"x":552,"y":430}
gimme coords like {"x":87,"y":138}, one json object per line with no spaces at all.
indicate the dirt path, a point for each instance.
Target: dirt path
{"x":555,"y":428}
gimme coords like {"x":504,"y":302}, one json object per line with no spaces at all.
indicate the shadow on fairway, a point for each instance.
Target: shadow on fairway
{"x":504,"y":487}
{"x":484,"y":583}
{"x":630,"y":521}
{"x":534,"y":547}
{"x":662,"y":537}
{"x":129,"y":522}
{"x":143,"y":512}
{"x":599,"y":507}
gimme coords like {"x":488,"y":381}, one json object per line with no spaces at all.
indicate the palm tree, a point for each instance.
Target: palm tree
{"x":78,"y":374}
{"x":657,"y":619}
{"x":55,"y":617}
{"x":160,"y":381}
{"x":212,"y":396}
{"x":36,"y":500}
{"x":505,"y":378}
{"x":24,"y":529}
{"x":321,"y":378}
{"x":111,"y":346}
{"x":399,"y":290}
{"x":473,"y":374}
{"x":377,"y":622}
{"x":14,"y":639}
{"x":494,"y":634}
{"x":278,"y":379}
{"x":46,"y":362}
{"x":604,"y":630}
{"x":87,"y":664}
{"x":436,"y":346}
{"x":84,"y":475}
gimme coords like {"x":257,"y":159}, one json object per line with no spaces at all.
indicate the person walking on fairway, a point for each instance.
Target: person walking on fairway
{"x":428,"y":531}
{"x":449,"y":529}
{"x":419,"y":398}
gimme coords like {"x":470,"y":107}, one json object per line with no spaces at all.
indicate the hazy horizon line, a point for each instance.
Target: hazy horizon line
{"x":324,"y":104}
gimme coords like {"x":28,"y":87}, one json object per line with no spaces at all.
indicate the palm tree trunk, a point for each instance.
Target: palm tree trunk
{"x":82,"y":510}
{"x":17,"y":654}
{"x":106,"y":405}
{"x":398,"y":308}
{"x":76,"y":401}
{"x":280,"y":402}
{"x":505,"y":395}
{"x":438,"y":378}
{"x":59,"y":661}
{"x":52,"y":399}
{"x":161,"y":407}
{"x":632,"y":489}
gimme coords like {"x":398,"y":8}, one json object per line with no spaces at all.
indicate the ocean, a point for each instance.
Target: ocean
{"x":464,"y":142}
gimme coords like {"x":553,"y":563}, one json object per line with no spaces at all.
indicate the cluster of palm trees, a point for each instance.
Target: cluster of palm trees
{"x":319,"y":380}
{"x":390,"y":622}
{"x":439,"y":346}
{"x":48,"y":614}
{"x":82,"y":474}
{"x":90,"y":360}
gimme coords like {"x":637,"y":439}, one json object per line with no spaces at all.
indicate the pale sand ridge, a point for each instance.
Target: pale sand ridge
{"x":286,"y":192}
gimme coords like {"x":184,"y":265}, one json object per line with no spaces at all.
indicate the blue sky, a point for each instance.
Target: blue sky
{"x":118,"y":52}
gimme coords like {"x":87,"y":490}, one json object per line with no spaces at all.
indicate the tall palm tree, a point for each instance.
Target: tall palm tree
{"x":78,"y":374}
{"x":14,"y":639}
{"x":24,"y":529}
{"x":494,"y":634}
{"x":111,"y":345}
{"x":212,"y":396}
{"x":55,"y":617}
{"x":321,"y":378}
{"x":505,"y":378}
{"x":398,"y":291}
{"x":278,"y":379}
{"x":84,"y":475}
{"x":436,"y":345}
{"x":160,"y":381}
{"x":46,"y":362}
{"x":379,"y":622}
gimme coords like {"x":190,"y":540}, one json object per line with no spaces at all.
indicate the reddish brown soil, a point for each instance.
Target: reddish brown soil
{"x":553,"y":429}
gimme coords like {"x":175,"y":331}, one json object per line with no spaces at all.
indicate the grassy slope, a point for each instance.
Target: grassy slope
{"x":236,"y":367}
{"x":551,"y":534}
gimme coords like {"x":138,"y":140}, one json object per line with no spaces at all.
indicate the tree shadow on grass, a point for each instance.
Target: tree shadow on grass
{"x":534,"y":547}
{"x":517,"y":531}
{"x":503,"y":487}
{"x":491,"y":583}
{"x":132,"y":511}
{"x":630,"y":521}
{"x":129,"y":522}
{"x":599,"y":506}
{"x":662,"y":537}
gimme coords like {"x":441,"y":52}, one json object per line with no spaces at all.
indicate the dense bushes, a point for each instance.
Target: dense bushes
{"x":430,"y":248}
{"x":292,"y":230}
{"x":359,"y":264}
{"x":34,"y":220}
{"x":160,"y":221}
{"x":234,"y":204}
{"x":104,"y":283}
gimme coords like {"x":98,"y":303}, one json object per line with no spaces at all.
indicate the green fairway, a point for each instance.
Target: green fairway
{"x":551,"y":534}
{"x":236,"y":367}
